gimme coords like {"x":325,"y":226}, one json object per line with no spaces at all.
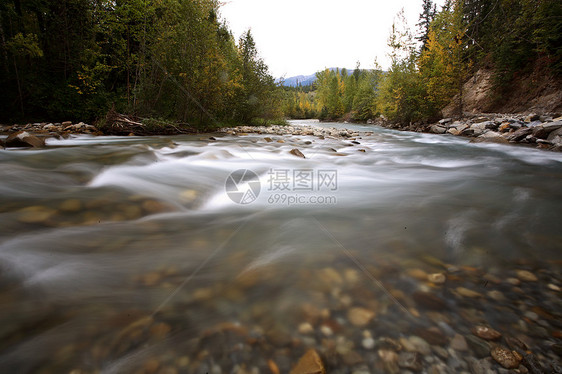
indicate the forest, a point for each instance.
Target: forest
{"x":172,"y":60}
{"x":175,"y":60}
{"x":430,"y":63}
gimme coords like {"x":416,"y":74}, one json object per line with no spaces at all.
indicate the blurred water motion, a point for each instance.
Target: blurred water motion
{"x":127,"y":254}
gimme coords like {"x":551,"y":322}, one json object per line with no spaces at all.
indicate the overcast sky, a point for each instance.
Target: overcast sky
{"x":304,"y":36}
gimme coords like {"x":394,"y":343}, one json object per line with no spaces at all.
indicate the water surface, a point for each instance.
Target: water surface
{"x":127,"y":254}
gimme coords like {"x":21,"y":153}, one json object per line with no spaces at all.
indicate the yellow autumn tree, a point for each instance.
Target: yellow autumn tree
{"x":440,"y":64}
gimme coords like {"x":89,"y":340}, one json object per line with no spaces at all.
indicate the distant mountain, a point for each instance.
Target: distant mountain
{"x":304,"y":80}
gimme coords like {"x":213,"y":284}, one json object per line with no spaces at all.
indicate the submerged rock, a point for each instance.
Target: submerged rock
{"x":360,"y":316}
{"x":410,"y":360}
{"x":309,"y":363}
{"x":506,"y":358}
{"x":526,"y":276}
{"x":486,"y":333}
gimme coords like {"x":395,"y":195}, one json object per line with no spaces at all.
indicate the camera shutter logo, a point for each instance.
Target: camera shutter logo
{"x":242,"y":186}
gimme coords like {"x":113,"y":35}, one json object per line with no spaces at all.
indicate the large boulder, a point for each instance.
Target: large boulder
{"x":542,"y":131}
{"x":437,"y":129}
{"x":491,"y":137}
{"x":457,"y":128}
{"x":555,"y":137}
{"x":520,"y":134}
{"x":24,"y":139}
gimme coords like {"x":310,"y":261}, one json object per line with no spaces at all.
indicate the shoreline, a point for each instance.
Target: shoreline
{"x":542,"y":132}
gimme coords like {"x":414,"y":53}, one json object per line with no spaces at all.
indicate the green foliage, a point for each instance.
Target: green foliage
{"x":401,"y":97}
{"x":425,"y":19}
{"x":258,"y":95}
{"x":512,"y":36}
{"x":170,"y":59}
{"x":300,"y":102}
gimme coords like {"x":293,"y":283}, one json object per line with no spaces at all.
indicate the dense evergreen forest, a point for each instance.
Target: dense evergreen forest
{"x":429,"y":64}
{"x":165,"y":59}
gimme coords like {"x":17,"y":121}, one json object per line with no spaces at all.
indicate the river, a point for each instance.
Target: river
{"x":188,"y":254}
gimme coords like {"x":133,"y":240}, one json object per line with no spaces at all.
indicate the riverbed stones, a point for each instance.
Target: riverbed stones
{"x":458,"y":343}
{"x":35,"y":214}
{"x":482,"y":366}
{"x":416,"y":344}
{"x":465,"y":292}
{"x":486,"y":333}
{"x":437,"y":278}
{"x":429,"y":300}
{"x":526,"y":276}
{"x":359,"y":316}
{"x":368,"y":343}
{"x":506,"y":358}
{"x":432,"y":335}
{"x":410,"y":361}
{"x":390,"y":360}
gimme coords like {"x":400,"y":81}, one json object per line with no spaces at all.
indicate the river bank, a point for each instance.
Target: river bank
{"x":541,"y":131}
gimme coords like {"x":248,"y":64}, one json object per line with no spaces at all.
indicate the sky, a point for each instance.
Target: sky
{"x":297,"y":37}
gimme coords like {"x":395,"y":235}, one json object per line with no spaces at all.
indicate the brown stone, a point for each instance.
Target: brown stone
{"x":296,"y":152}
{"x":24,"y":139}
{"x":273,"y":367}
{"x":506,"y":358}
{"x":410,"y":360}
{"x":526,"y":276}
{"x":309,"y":363}
{"x":437,"y":278}
{"x":486,"y":333}
{"x":465,"y":292}
{"x":360,"y":316}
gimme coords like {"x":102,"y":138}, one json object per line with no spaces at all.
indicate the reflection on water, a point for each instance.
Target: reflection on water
{"x":127,"y":255}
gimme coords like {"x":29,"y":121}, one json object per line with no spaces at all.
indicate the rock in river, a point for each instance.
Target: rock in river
{"x":458,"y":343}
{"x":360,"y":316}
{"x":526,"y":276}
{"x":24,"y":139}
{"x":410,"y":360}
{"x":309,"y":363}
{"x":296,"y":152}
{"x":506,"y":358}
{"x":486,"y":333}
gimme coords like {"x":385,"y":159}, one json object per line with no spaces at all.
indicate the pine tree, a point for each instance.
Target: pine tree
{"x":426,"y":17}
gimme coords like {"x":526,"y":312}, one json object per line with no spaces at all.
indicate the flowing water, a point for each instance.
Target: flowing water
{"x":139,"y":254}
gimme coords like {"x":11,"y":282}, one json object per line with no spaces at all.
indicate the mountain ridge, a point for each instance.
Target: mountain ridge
{"x":305,"y":80}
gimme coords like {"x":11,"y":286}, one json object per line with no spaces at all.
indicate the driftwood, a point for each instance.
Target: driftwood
{"x":121,"y":124}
